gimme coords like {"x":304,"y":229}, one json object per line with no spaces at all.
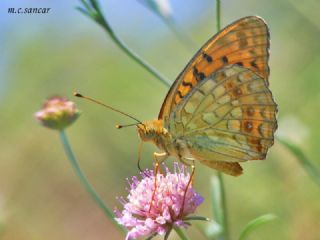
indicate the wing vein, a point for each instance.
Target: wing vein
{"x":222,"y":118}
{"x":217,"y":99}
{"x":228,"y":131}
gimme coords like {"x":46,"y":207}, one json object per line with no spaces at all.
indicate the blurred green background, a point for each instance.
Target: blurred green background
{"x":63,"y":51}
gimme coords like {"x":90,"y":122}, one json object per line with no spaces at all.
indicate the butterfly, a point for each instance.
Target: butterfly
{"x":219,"y":111}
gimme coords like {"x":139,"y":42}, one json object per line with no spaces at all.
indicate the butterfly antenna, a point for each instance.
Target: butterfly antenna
{"x":76,"y":94}
{"x":127,"y":125}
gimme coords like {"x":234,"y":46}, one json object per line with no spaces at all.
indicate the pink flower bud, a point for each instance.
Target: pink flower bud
{"x":57,"y":113}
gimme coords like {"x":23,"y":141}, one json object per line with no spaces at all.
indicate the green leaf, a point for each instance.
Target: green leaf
{"x":85,"y":12}
{"x":199,"y":218}
{"x":95,"y":4}
{"x":252,"y":225}
{"x":86,"y":5}
{"x":309,"y":167}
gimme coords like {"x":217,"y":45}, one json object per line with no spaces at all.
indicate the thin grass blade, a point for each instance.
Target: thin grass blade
{"x":255,"y":223}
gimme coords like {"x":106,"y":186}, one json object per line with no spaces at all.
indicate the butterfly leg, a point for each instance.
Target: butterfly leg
{"x":139,"y":155}
{"x":186,"y":161}
{"x":158,"y":158}
{"x":189,"y":183}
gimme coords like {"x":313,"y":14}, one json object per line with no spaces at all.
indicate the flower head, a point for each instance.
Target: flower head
{"x":168,"y":209}
{"x":57,"y":113}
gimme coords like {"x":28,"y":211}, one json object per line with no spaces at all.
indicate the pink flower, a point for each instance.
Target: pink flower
{"x":166,"y":206}
{"x":57,"y":113}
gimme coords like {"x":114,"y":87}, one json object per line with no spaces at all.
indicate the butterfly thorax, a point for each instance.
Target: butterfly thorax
{"x":154,"y":131}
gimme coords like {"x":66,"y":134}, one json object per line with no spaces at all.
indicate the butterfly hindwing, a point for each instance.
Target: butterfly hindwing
{"x":244,"y":42}
{"x":229,"y":117}
{"x":231,"y":168}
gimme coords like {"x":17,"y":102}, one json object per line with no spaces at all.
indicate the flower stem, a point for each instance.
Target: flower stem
{"x":180,"y":233}
{"x":225,"y":227}
{"x":93,"y":10}
{"x":137,"y":59}
{"x":224,"y":213}
{"x":84,"y":181}
{"x":218,"y":15}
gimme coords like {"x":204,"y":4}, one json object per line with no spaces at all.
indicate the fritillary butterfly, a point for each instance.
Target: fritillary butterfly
{"x":220,"y":111}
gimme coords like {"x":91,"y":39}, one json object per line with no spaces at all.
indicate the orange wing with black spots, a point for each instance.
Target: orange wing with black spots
{"x":244,"y":42}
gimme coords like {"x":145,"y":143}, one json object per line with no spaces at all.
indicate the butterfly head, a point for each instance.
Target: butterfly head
{"x":151,"y":130}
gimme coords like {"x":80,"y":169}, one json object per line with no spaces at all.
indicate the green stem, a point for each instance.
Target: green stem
{"x":84,"y":181}
{"x":224,"y":215}
{"x":225,"y":234}
{"x":180,"y":233}
{"x":218,"y":15}
{"x":139,"y":60}
{"x":96,"y":14}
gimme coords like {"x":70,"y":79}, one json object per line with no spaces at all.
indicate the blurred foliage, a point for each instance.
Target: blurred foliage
{"x":255,"y":223}
{"x":40,"y":197}
{"x":218,"y":229}
{"x":310,"y":168}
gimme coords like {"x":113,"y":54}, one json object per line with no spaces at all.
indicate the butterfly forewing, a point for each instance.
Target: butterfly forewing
{"x":229,"y":117}
{"x":244,"y":42}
